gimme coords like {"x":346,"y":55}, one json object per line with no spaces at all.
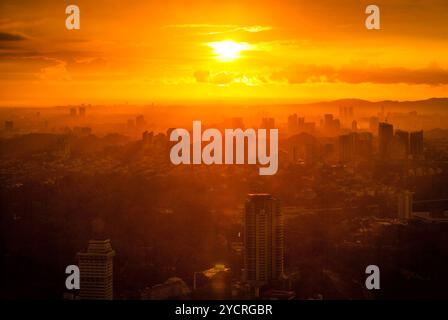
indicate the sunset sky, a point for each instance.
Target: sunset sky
{"x":173,"y":51}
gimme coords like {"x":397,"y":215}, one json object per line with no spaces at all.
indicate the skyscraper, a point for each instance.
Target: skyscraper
{"x":416,"y":143}
{"x":400,"y":145}
{"x":347,"y":147}
{"x":82,"y":111}
{"x":385,"y":136}
{"x":293,"y":123}
{"x":267,"y":123}
{"x":96,"y":270}
{"x":263,"y":240}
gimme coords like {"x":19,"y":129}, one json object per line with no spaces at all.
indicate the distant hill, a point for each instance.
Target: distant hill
{"x":428,"y":105}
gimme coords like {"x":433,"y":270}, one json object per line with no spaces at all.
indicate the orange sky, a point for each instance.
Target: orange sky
{"x":160,"y":51}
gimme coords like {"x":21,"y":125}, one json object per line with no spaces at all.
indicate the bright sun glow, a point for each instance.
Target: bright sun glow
{"x":228,"y":50}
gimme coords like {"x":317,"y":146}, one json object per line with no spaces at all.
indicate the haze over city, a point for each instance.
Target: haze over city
{"x":359,"y":176}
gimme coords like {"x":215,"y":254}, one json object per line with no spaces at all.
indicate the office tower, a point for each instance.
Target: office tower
{"x":263,"y":240}
{"x":405,"y":200}
{"x":331,"y":125}
{"x":147,"y":137}
{"x":346,"y":114}
{"x":328,"y":121}
{"x":140,"y":121}
{"x":416,"y":143}
{"x":293,"y":123}
{"x":403,"y":137}
{"x":73,"y":112}
{"x":385,"y":135}
{"x":347,"y":147}
{"x":354,"y":125}
{"x":400,"y":147}
{"x":364,"y":145}
{"x":267,"y":123}
{"x":373,"y":124}
{"x":82,"y":111}
{"x":96,"y":269}
{"x":301,"y":124}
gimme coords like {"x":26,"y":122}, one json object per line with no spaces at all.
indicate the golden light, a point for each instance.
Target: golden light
{"x":228,"y":50}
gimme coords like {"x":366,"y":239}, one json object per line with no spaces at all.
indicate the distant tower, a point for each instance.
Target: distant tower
{"x":293,"y":123}
{"x":267,"y":123}
{"x":96,"y":269}
{"x":405,"y":200}
{"x":73,"y":112}
{"x":263,"y":240}
{"x":401,"y":145}
{"x":82,"y":111}
{"x":140,"y":121}
{"x":373,"y":124}
{"x":416,"y":143}
{"x":385,"y":136}
{"x":347,"y":147}
{"x":354,"y":125}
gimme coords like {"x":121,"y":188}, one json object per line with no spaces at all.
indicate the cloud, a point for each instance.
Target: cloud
{"x":219,"y":78}
{"x":7,"y":36}
{"x":221,"y":28}
{"x":224,"y":78}
{"x":433,"y":75}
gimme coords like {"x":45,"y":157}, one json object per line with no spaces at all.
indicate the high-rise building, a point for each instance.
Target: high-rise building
{"x":267,"y":123}
{"x":140,"y":121}
{"x":364,"y":145}
{"x":96,"y":270}
{"x":263,"y":240}
{"x":373,"y":124}
{"x":293,"y":123}
{"x":82,"y":111}
{"x":400,"y":147}
{"x":385,"y":136}
{"x":416,"y":143}
{"x":347,"y":147}
{"x":73,"y":112}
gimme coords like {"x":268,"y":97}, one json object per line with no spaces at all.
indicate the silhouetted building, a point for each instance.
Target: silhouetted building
{"x":330,"y":124}
{"x":267,"y":123}
{"x":263,"y":240}
{"x":140,"y":121}
{"x":400,"y":148}
{"x":148,"y":137}
{"x":82,"y":111}
{"x":416,"y":143}
{"x":293,"y":123}
{"x":347,"y":147}
{"x":364,"y":145}
{"x":373,"y":124}
{"x":385,"y":135}
{"x":346,"y":114}
{"x":96,"y":269}
{"x":73,"y":112}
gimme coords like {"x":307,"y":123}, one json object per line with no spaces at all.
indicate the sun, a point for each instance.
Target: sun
{"x":228,"y":50}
